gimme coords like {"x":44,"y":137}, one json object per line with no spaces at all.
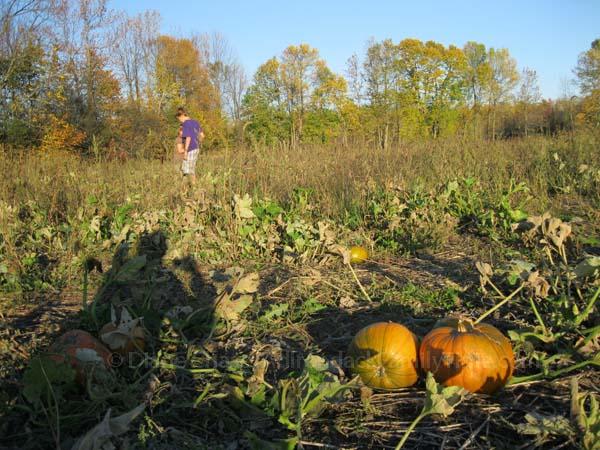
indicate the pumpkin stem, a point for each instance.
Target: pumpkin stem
{"x":464,"y":325}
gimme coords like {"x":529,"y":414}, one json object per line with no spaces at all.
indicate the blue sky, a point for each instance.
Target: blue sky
{"x":546,"y":36}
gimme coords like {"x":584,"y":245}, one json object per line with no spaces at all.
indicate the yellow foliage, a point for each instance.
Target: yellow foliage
{"x":182,"y":79}
{"x":61,"y":136}
{"x":590,"y":109}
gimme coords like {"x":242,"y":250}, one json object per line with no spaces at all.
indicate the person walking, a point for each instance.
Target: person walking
{"x":192,"y":135}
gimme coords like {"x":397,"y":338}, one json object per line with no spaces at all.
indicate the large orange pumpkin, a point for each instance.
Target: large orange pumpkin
{"x":81,"y":350}
{"x":385,"y":355}
{"x":477,"y":357}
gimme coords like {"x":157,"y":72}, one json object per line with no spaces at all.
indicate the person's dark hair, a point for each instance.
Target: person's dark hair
{"x":180,"y":112}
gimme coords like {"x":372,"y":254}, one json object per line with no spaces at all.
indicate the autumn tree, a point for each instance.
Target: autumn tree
{"x":499,"y":85}
{"x":225,"y":71}
{"x":413,"y":88}
{"x":132,"y":45}
{"x":181,"y":78}
{"x":84,"y":71}
{"x":476,"y":72}
{"x":91,"y":91}
{"x":23,"y":30}
{"x":588,"y":69}
{"x":528,"y":96}
{"x":588,"y":76}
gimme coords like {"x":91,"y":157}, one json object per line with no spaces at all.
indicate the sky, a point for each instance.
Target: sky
{"x":546,"y":36}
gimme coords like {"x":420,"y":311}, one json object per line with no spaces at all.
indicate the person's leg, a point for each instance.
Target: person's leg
{"x":184,"y":164}
{"x":185,"y":171}
{"x":192,"y":158}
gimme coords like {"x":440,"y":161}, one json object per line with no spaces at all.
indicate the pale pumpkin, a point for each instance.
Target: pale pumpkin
{"x":123,"y":340}
{"x":477,"y":357}
{"x":81,"y":350}
{"x":385,"y":356}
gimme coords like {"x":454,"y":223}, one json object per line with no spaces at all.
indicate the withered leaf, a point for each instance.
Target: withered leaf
{"x":256,"y":381}
{"x":248,"y":284}
{"x":242,"y":207}
{"x":98,"y":438}
{"x":538,"y":284}
{"x":230,"y":310}
{"x":544,"y":426}
{"x":484,"y":269}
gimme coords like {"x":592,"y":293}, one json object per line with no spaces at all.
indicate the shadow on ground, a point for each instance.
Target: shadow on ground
{"x":138,"y":280}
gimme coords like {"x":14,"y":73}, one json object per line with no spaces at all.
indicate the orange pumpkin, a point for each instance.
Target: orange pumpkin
{"x":81,"y":350}
{"x":385,"y":355}
{"x":358,"y":255}
{"x":477,"y":357}
{"x":131,"y":342}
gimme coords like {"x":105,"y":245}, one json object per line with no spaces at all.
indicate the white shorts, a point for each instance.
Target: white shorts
{"x":188,"y":166}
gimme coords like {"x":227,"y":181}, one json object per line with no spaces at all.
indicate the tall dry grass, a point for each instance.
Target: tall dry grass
{"x":338,"y":177}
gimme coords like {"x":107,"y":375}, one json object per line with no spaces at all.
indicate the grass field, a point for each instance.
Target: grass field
{"x":242,"y":288}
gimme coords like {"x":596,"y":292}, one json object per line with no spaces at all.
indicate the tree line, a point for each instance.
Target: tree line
{"x":76,"y":75}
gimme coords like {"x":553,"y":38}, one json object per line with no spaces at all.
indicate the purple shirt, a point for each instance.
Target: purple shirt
{"x":191,"y":129}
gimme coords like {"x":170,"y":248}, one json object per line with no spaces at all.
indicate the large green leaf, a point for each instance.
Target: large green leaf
{"x":44,"y":374}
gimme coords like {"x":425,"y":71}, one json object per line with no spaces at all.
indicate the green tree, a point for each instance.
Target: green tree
{"x":588,"y":69}
{"x":90,"y":90}
{"x":23,"y":32}
{"x":379,"y":78}
{"x":289,"y":90}
{"x":264,"y":107}
{"x":441,"y":89}
{"x":413,"y":88}
{"x":329,"y":105}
